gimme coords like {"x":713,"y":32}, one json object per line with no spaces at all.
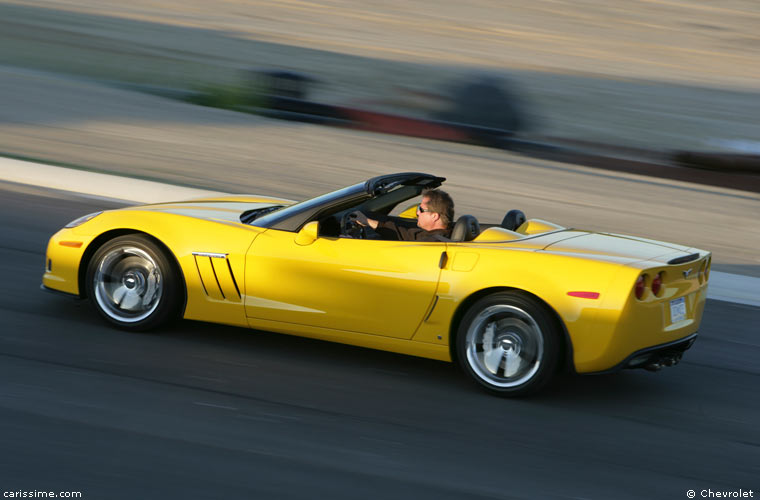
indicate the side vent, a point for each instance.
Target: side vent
{"x":216,"y":276}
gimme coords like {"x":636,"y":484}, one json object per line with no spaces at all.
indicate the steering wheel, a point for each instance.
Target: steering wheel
{"x":350,"y":228}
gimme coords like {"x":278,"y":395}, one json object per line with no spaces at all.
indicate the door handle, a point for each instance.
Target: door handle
{"x":443,"y":260}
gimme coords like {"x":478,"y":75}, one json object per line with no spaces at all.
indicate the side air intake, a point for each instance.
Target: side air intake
{"x":216,"y":276}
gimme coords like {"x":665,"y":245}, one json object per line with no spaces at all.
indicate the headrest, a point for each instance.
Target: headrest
{"x":465,"y":229}
{"x":513,"y":220}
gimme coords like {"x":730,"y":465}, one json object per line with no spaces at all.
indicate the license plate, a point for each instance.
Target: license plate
{"x":678,"y":310}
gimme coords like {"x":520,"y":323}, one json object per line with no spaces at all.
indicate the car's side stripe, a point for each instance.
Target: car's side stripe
{"x":225,"y":279}
{"x":208,"y":276}
{"x":234,"y":281}
{"x":195,"y":258}
{"x":216,"y":277}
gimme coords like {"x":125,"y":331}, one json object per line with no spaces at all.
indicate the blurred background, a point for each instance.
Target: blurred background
{"x":643,"y":73}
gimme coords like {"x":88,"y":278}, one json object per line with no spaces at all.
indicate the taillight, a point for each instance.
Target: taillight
{"x":702,"y":272}
{"x":657,"y":285}
{"x":640,"y":286}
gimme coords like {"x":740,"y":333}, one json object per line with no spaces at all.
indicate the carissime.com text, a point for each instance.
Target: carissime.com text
{"x":42,"y":494}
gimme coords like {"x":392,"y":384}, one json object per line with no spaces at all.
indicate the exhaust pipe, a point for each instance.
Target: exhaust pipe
{"x":671,"y":360}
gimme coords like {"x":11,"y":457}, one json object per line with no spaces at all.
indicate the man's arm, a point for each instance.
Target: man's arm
{"x":400,"y":229}
{"x":363,"y":220}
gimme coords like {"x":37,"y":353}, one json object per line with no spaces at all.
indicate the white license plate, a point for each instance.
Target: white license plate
{"x":678,"y":310}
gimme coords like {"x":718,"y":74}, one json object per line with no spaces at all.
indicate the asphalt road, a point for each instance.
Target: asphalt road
{"x":206,"y":411}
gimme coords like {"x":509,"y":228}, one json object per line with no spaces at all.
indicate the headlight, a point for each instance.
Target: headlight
{"x":82,"y":220}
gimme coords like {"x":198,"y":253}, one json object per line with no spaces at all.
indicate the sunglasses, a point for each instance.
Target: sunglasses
{"x":421,"y":210}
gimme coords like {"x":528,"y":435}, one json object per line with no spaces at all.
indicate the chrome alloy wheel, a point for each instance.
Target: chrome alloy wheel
{"x":504,"y":346}
{"x":128,"y":284}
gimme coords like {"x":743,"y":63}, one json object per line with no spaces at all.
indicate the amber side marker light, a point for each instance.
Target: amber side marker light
{"x":584,"y":295}
{"x":72,"y":244}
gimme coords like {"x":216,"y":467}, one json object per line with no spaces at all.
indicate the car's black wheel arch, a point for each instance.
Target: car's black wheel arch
{"x":104,"y":238}
{"x":566,"y":348}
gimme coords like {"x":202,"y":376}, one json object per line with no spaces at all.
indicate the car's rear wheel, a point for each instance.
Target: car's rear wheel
{"x":509,"y":343}
{"x":132,"y":284}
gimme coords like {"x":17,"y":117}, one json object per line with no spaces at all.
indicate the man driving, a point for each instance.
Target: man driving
{"x":435,"y":215}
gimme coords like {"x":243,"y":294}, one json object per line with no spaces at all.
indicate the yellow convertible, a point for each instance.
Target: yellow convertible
{"x":513,"y":303}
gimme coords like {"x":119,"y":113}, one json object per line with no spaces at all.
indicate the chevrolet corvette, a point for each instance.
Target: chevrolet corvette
{"x":513,"y":303}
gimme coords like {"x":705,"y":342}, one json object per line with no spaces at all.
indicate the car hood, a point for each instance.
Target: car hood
{"x":227,"y":208}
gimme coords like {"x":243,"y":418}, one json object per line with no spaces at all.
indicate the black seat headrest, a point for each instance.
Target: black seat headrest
{"x":466,"y":228}
{"x":513,"y":220}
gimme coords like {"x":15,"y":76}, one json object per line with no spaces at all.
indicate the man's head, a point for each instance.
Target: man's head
{"x":436,"y":211}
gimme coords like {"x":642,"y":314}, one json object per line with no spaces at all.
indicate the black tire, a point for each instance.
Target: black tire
{"x":132,"y":284}
{"x":509,"y":344}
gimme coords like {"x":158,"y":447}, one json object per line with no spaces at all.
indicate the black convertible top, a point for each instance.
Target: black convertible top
{"x":384,"y":183}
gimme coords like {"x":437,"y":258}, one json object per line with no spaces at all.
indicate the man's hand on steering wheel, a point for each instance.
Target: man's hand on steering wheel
{"x":355,"y":224}
{"x":359,"y":217}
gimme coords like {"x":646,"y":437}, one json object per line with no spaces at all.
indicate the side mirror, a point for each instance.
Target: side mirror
{"x":308,"y":234}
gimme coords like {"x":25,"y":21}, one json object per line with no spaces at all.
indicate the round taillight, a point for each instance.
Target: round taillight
{"x":657,"y":285}
{"x":640,"y":286}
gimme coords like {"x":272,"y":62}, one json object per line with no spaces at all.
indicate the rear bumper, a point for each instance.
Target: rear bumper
{"x":652,"y":355}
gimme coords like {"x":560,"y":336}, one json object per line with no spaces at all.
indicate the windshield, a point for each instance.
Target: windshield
{"x":305,"y":209}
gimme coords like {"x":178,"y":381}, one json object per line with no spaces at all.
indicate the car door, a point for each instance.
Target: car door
{"x":356,"y":285}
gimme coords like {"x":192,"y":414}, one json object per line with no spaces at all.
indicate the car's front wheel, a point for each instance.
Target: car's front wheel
{"x":132,"y":284}
{"x":509,"y":343}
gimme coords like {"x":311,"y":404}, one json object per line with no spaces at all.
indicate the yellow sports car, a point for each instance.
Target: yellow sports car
{"x":513,"y":303}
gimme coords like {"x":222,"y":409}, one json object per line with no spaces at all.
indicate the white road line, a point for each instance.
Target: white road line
{"x":723,"y":286}
{"x":734,"y":288}
{"x":92,"y":183}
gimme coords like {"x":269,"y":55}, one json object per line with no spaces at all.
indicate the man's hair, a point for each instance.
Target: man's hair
{"x":441,"y":203}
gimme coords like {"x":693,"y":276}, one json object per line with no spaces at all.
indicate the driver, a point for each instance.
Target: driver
{"x":434,"y":219}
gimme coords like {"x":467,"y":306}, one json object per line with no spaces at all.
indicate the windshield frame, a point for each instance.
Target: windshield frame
{"x":293,"y":217}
